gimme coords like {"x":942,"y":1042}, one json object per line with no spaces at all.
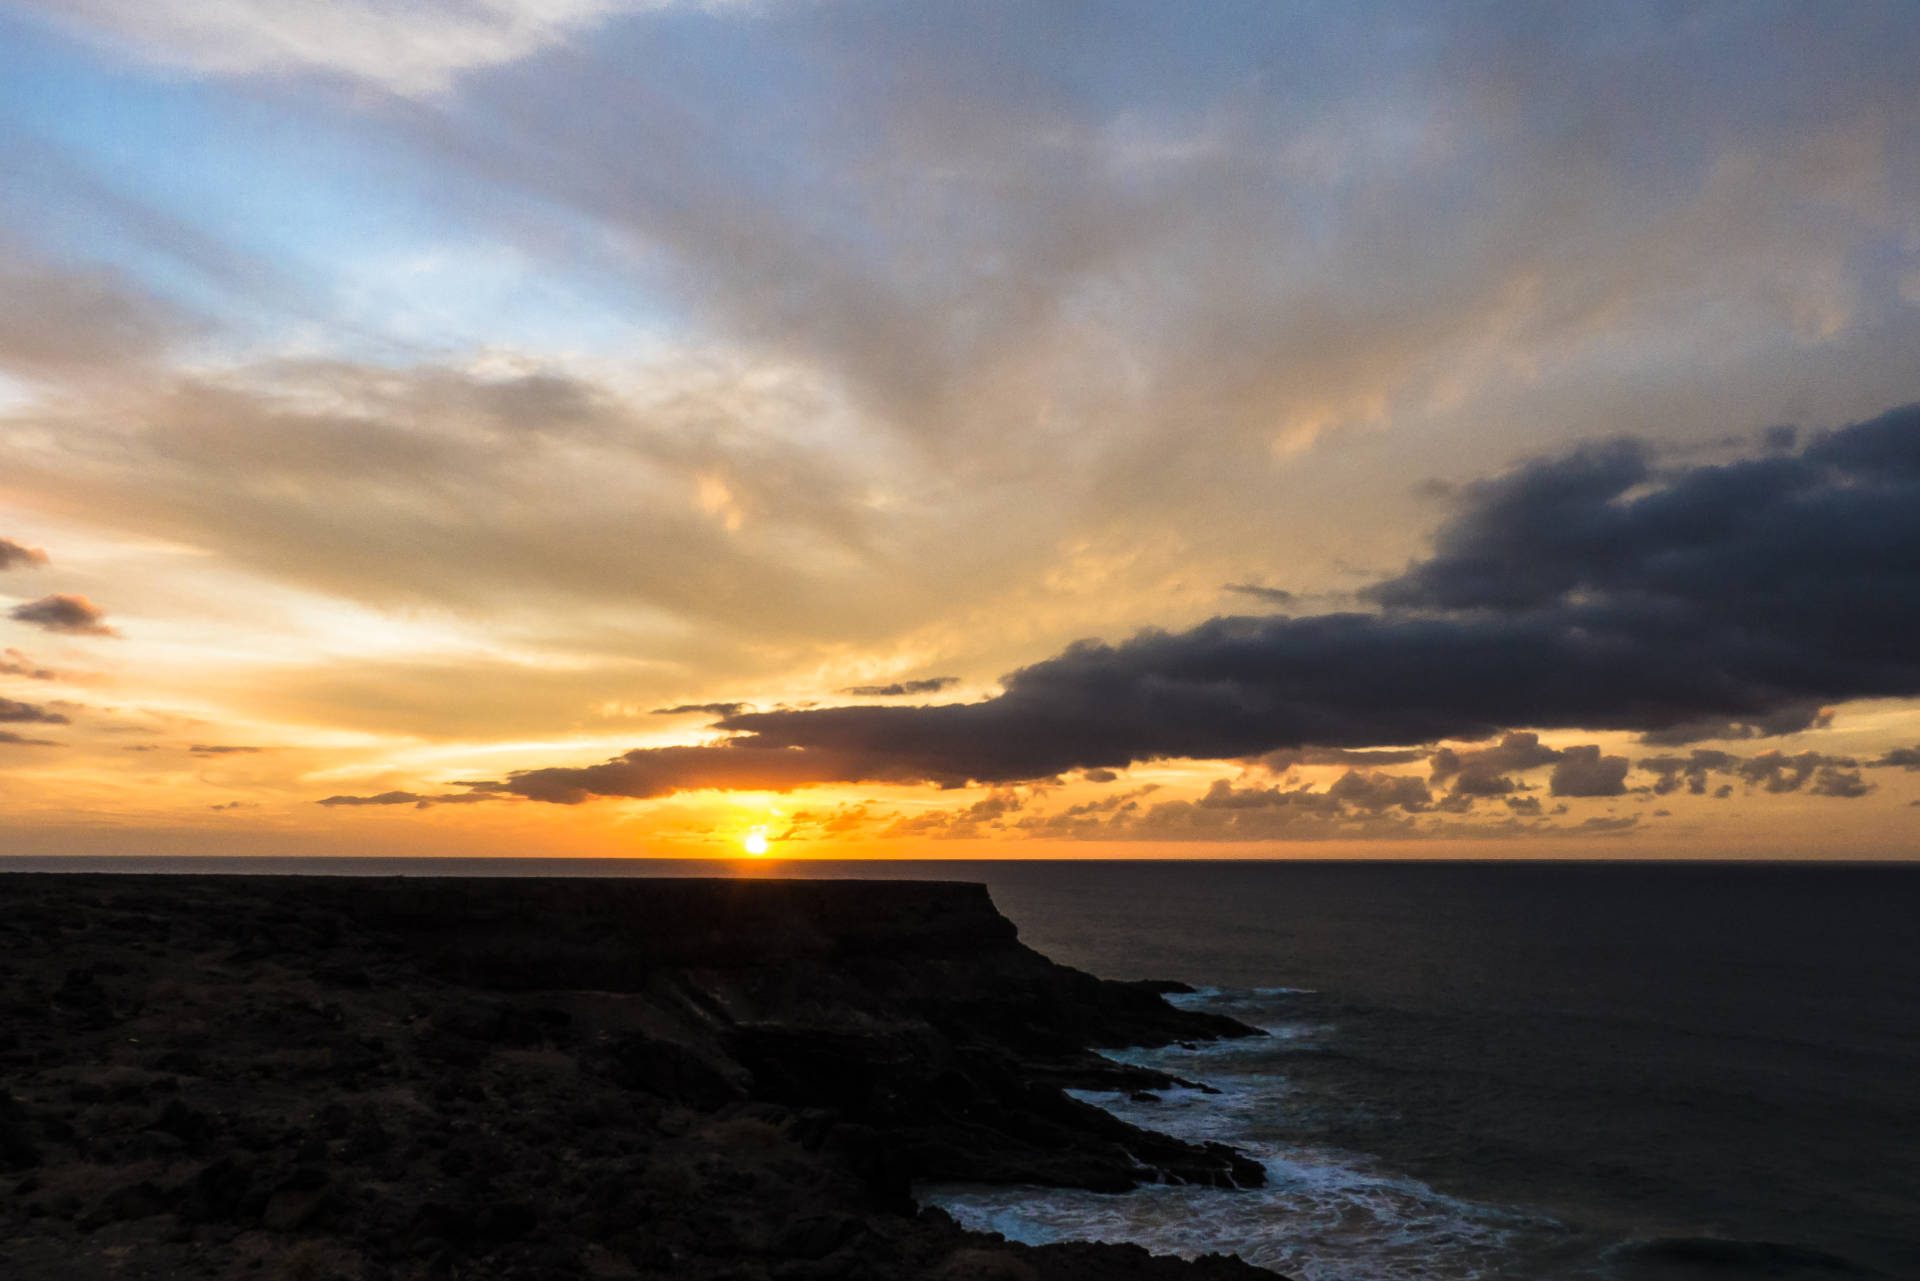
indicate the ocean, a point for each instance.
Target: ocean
{"x":1556,"y":1072}
{"x":1639,"y":1072}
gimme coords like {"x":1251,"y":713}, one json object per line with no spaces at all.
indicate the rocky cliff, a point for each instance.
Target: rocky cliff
{"x":383,"y":1078}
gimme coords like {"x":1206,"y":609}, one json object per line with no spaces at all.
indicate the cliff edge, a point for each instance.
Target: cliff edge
{"x":374,"y":1078}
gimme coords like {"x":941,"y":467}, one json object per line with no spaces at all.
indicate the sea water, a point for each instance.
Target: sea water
{"x":1557,"y":1072}
{"x":1623,"y":1072}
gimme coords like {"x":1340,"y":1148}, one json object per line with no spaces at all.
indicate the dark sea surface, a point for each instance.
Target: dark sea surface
{"x":1630,"y":1072}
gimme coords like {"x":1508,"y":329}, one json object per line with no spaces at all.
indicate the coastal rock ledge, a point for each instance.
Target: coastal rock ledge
{"x":365,"y":1079}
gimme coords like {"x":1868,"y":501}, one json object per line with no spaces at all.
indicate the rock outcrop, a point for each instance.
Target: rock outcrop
{"x":334,"y":1077}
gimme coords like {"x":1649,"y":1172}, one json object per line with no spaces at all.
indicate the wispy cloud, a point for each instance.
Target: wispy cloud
{"x":404,"y":48}
{"x":13,"y":555}
{"x":74,"y":615}
{"x":902,"y":689}
{"x":14,"y":712}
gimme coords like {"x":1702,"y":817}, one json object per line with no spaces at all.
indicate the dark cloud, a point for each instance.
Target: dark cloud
{"x":901,"y":689}
{"x":1591,"y":591}
{"x":1273,"y":595}
{"x":14,"y":663}
{"x":1281,"y":761}
{"x":1481,"y":784}
{"x":1691,"y":769}
{"x":11,"y":739}
{"x":1376,"y":791}
{"x":1841,"y":784}
{"x":1108,"y":776}
{"x":17,"y":713}
{"x":12,"y":554}
{"x":1907,"y":758}
{"x":61,"y":613}
{"x":213,"y":749}
{"x":1583,"y":771}
{"x":703,"y":709}
{"x":1791,"y":719}
{"x":1777,"y":772}
{"x":1774,"y":772}
{"x":1482,"y":771}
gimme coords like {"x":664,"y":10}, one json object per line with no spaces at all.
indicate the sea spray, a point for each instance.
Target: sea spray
{"x":1325,"y":1213}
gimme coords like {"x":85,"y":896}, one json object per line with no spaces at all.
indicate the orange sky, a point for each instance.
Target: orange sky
{"x":402,"y":411}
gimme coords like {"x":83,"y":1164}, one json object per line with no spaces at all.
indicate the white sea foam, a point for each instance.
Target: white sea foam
{"x":1324,"y":1214}
{"x":1215,"y":995}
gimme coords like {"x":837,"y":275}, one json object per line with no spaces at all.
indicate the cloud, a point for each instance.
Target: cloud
{"x":703,"y":709}
{"x":215,"y":749}
{"x":1482,"y":771}
{"x":59,"y":322}
{"x":11,"y":739}
{"x":1602,"y":826}
{"x":1281,"y":761}
{"x":75,"y":615}
{"x":383,"y":485}
{"x":1791,"y":719}
{"x":13,"y":555}
{"x":1272,"y":595}
{"x":1777,"y":772}
{"x":1907,"y":758}
{"x":16,"y":713}
{"x":1843,"y":785}
{"x":14,"y":663}
{"x":988,"y":252}
{"x":404,"y":48}
{"x":415,"y":799}
{"x":1588,"y":591}
{"x":1774,"y":772}
{"x":1374,"y":792}
{"x":1228,"y":813}
{"x":1691,"y":769}
{"x":902,"y":689}
{"x":1356,"y":807}
{"x":733,"y":766}
{"x":807,"y":825}
{"x":1583,"y":771}
{"x":982,"y":818}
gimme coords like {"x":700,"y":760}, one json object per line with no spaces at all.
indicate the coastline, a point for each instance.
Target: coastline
{"x":379,"y":1077}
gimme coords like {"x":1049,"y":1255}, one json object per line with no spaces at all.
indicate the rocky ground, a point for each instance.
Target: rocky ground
{"x":359,"y":1079}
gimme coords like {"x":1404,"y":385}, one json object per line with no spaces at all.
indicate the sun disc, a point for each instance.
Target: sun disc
{"x":755,"y":843}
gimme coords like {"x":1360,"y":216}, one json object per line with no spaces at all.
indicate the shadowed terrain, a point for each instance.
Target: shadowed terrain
{"x":365,"y":1078}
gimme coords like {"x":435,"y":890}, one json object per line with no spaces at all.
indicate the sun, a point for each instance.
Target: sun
{"x":755,"y":843}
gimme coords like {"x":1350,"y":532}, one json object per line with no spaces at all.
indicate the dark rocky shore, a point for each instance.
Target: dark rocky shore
{"x":356,"y":1079}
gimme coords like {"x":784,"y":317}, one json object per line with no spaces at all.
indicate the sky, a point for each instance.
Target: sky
{"x":1280,"y":429}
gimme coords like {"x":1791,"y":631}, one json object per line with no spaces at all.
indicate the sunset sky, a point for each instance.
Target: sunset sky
{"x":903,"y":430}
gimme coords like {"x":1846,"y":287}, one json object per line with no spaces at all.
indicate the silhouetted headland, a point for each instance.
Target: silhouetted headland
{"x":371,"y":1078}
